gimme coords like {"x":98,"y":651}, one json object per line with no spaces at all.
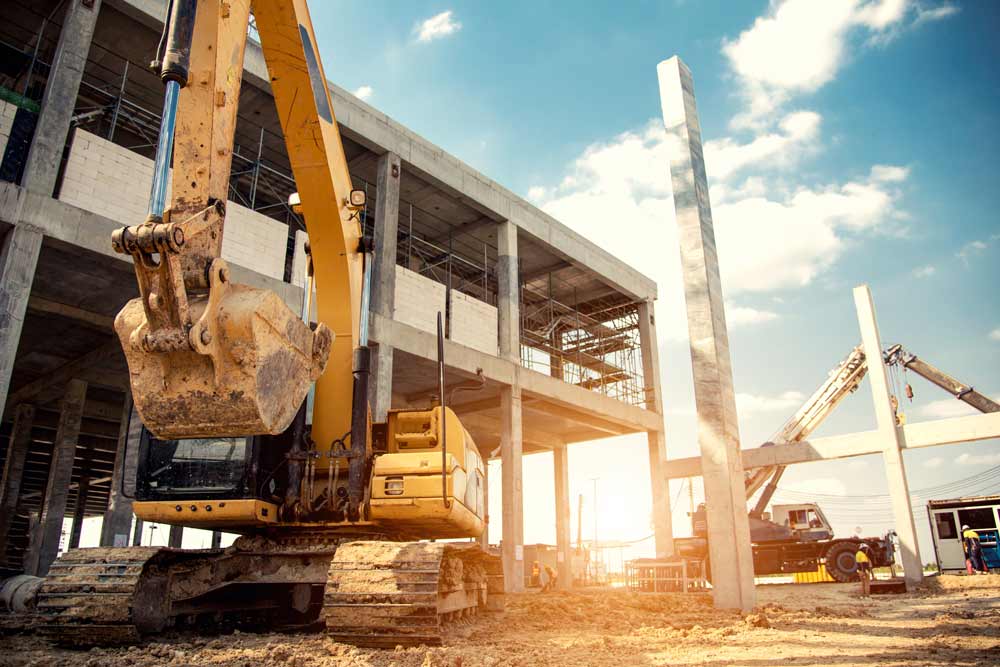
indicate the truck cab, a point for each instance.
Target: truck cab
{"x":806,"y":519}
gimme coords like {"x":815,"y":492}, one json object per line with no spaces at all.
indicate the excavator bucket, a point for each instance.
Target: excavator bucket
{"x":245,"y":369}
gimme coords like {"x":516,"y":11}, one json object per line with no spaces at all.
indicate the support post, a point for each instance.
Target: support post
{"x":383,"y":296}
{"x":137,"y":532}
{"x":891,"y":434}
{"x":484,"y":538}
{"x":59,"y":100}
{"x":513,"y":494}
{"x":18,"y":259}
{"x":176,"y":538}
{"x":46,"y":548}
{"x":718,"y":431}
{"x":216,"y":539}
{"x":508,"y":292}
{"x":13,"y":469}
{"x":79,"y":511}
{"x":564,"y":555}
{"x":656,"y":440}
{"x":118,"y":516}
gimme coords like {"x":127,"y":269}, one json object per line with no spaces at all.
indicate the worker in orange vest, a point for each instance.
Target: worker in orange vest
{"x":863,"y":559}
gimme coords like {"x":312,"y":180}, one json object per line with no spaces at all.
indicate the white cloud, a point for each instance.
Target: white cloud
{"x":364,"y":92}
{"x":948,"y":407}
{"x":798,"y":136}
{"x":737,"y":316}
{"x":436,"y":27}
{"x":800,"y":45}
{"x":749,"y":404}
{"x":923,"y":271}
{"x":935,"y":462}
{"x":995,"y":334}
{"x":887,"y":173}
{"x":978,"y":459}
{"x":970,"y":250}
{"x":537,"y":193}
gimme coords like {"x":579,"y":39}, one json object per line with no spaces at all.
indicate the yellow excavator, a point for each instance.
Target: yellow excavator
{"x":333,"y":510}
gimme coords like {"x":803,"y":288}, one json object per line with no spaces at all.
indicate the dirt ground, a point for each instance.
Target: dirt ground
{"x":953,"y":620}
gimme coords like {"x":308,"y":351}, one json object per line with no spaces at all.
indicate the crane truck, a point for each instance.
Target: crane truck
{"x":799,"y":537}
{"x":334,"y":510}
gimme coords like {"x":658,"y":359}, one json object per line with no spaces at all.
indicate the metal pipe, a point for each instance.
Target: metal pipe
{"x":444,"y":416}
{"x":366,"y":297}
{"x":164,"y":150}
{"x":118,"y":104}
{"x":256,"y":171}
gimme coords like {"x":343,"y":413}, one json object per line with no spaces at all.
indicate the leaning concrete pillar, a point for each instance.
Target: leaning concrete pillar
{"x":564,"y":555}
{"x":663,"y":530}
{"x":118,"y":516}
{"x":718,"y":431}
{"x":18,"y":259}
{"x":13,"y":469}
{"x":176,"y":538}
{"x":891,"y":435}
{"x":383,"y":296}
{"x":508,"y":292}
{"x":511,"y":447}
{"x":59,"y":100}
{"x":46,"y":548}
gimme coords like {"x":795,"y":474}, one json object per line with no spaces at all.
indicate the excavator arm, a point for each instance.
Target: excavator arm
{"x":209,"y":358}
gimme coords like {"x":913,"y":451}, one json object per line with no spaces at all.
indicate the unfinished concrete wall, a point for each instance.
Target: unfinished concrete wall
{"x":473,"y":323}
{"x":113,"y":181}
{"x":418,"y":300}
{"x":7,"y":111}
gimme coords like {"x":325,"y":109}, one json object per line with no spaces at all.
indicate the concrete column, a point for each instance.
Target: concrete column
{"x":383,"y":296}
{"x":564,"y":553}
{"x":656,"y":440}
{"x":46,"y":548}
{"x":176,"y":538}
{"x":511,"y":447}
{"x":13,"y":469}
{"x":118,"y":516}
{"x":216,"y":539}
{"x":718,"y":431}
{"x":508,"y":292}
{"x":18,"y":258}
{"x":79,"y":512}
{"x":137,"y":532}
{"x":59,"y":100}
{"x":892,"y":436}
{"x":484,"y":539}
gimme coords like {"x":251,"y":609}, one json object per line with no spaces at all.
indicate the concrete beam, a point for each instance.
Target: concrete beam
{"x":13,"y":468}
{"x":511,"y":449}
{"x":83,"y":229}
{"x":718,"y":429}
{"x":564,"y":554}
{"x":18,"y":259}
{"x":118,"y":516}
{"x":59,"y":99}
{"x":60,"y":376}
{"x":45,"y":549}
{"x":892,"y":437}
{"x":383,"y":296}
{"x":37,"y":304}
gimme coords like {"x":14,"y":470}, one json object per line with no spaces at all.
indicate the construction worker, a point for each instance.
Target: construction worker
{"x":550,"y":579}
{"x":536,"y":575}
{"x":863,"y":559}
{"x":973,"y":550}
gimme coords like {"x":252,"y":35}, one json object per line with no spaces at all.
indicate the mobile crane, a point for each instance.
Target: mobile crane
{"x":331,"y":507}
{"x":798,"y":538}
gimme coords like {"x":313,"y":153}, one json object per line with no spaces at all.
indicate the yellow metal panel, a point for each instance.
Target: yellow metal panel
{"x":413,"y":463}
{"x":427,"y":516}
{"x":211,"y":514}
{"x":320,"y":168}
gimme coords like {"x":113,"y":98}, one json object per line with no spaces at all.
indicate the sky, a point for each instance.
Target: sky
{"x":846,"y":141}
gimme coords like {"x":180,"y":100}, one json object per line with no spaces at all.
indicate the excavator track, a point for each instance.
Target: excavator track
{"x":101,"y":597}
{"x":387,"y":594}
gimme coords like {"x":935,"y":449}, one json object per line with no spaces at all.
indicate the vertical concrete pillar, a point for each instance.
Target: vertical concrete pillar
{"x":18,"y":258}
{"x":176,"y":538}
{"x":656,"y":440}
{"x":13,"y":469}
{"x":383,"y":296}
{"x":564,"y":554}
{"x":79,"y":511}
{"x":508,"y":292}
{"x":137,"y":532}
{"x":511,"y":447}
{"x":892,"y":436}
{"x":216,"y":539}
{"x":484,"y":538}
{"x":718,"y":431}
{"x":118,"y":516}
{"x":46,"y":548}
{"x":59,"y":100}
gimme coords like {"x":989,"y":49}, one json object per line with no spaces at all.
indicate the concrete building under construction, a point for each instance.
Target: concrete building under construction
{"x":553,"y":337}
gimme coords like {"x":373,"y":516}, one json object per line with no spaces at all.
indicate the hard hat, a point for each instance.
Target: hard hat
{"x":965,"y":527}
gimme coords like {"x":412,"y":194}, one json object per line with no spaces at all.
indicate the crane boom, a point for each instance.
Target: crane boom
{"x":898,"y":355}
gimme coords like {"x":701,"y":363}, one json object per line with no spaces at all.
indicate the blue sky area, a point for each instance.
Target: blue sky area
{"x":847,"y":141}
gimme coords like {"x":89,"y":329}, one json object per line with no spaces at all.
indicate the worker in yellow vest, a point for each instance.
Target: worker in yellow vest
{"x":973,"y":551}
{"x":864,"y":561}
